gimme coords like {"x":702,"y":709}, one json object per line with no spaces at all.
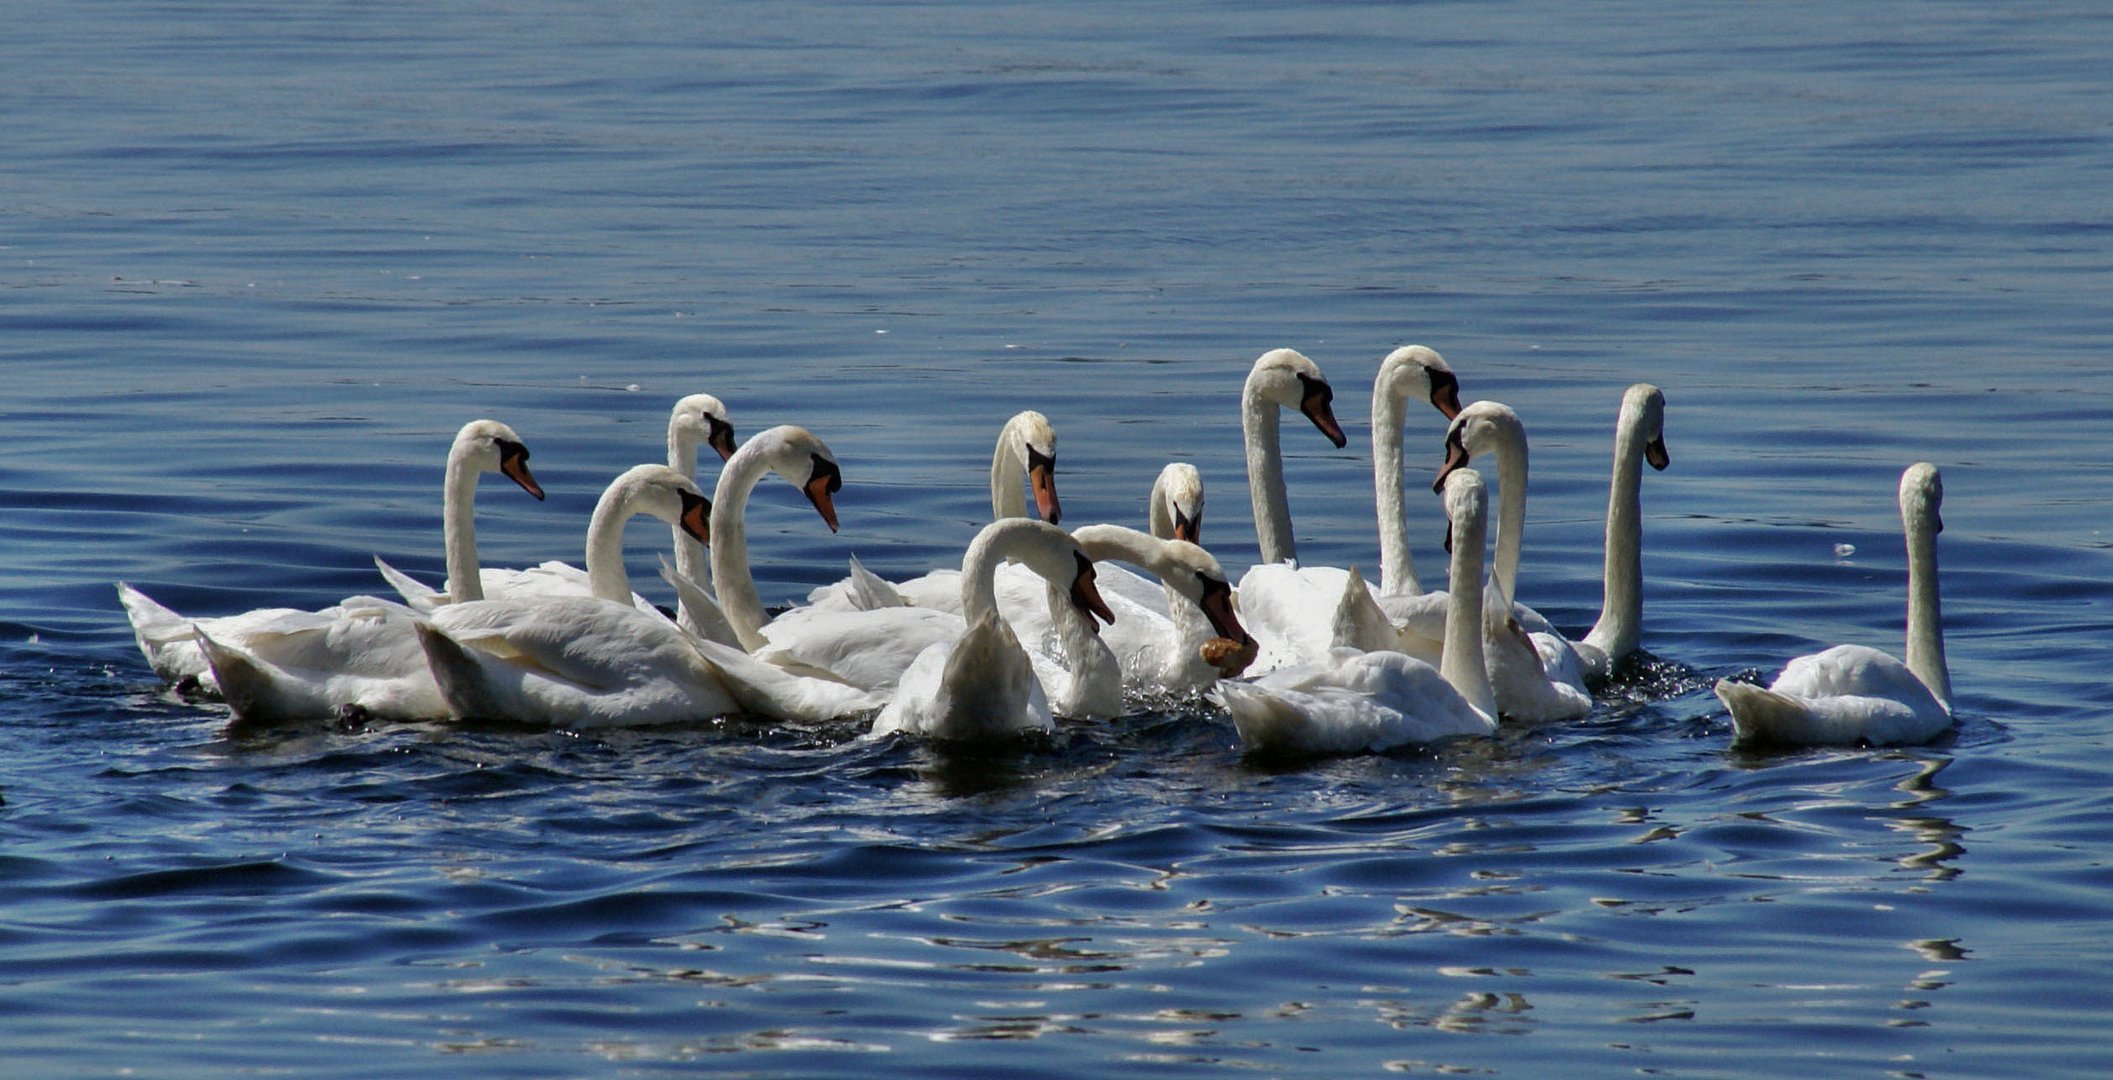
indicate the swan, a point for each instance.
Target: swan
{"x":168,"y":639}
{"x":1536,"y":671}
{"x":1280,"y":379}
{"x":1294,"y":610}
{"x":575,"y":661}
{"x":1157,"y":650}
{"x":1025,"y":454}
{"x":980,"y":684}
{"x":872,"y":649}
{"x":1852,"y":694}
{"x":698,"y":418}
{"x":1352,"y":701}
{"x":363,"y":659}
{"x":799,"y":458}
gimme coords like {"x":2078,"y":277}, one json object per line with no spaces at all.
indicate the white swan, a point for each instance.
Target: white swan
{"x":795,"y":455}
{"x":1294,"y":610}
{"x":168,"y":639}
{"x":1353,"y":701}
{"x":1280,"y":379}
{"x":980,"y":684}
{"x":1851,"y":694}
{"x":363,"y":658}
{"x":1024,"y":456}
{"x":580,"y":661}
{"x":698,"y":418}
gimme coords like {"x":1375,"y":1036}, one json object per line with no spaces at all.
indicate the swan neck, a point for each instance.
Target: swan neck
{"x":606,"y":576}
{"x":1397,"y":567}
{"x":729,"y":551}
{"x":1621,"y":582}
{"x":1511,"y":513}
{"x":1461,"y":664}
{"x":1265,"y":477}
{"x":1158,"y":521}
{"x":458,"y":528}
{"x":1925,"y":615}
{"x":1008,"y":477}
{"x":691,"y":562}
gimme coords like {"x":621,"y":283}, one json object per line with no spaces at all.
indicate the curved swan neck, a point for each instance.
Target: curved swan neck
{"x":737,"y":586}
{"x":1159,"y":520}
{"x":1265,"y":475}
{"x":1461,"y":664}
{"x":1008,"y":475}
{"x":1397,"y":567}
{"x":1925,"y":615}
{"x":606,"y":576}
{"x":458,"y":527}
{"x":1621,"y":581}
{"x":690,"y":559}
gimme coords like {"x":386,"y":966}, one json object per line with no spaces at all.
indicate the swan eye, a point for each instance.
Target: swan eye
{"x":1039,"y":460}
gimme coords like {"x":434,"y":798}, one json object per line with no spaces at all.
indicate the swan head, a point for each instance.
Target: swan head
{"x":1032,"y":440}
{"x":1179,"y":496}
{"x":1644,"y":406}
{"x":1290,"y":380}
{"x":702,"y":418}
{"x":801,"y":459}
{"x":1479,"y":429}
{"x":1922,"y":495}
{"x":666,"y":494}
{"x":490,"y":446}
{"x":1185,"y":567}
{"x":1416,"y":369}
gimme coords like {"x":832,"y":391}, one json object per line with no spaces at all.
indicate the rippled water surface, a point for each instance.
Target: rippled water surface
{"x":261,"y":261}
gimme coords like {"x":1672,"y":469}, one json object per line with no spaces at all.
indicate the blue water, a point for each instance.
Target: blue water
{"x":261,"y":261}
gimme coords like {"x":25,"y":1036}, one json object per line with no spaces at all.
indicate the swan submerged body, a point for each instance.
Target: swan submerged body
{"x":1851,"y":694}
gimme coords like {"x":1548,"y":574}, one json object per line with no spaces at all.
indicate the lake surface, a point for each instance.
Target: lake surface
{"x":260,"y":262}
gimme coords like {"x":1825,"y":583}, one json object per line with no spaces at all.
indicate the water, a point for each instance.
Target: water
{"x":261,"y":262}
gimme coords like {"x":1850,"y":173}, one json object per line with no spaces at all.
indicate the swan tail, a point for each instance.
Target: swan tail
{"x":459,"y":675}
{"x":1761,"y":715}
{"x":1266,"y":723}
{"x":415,"y":593}
{"x":245,"y":683}
{"x":1359,"y":623}
{"x":701,"y":615}
{"x":165,"y":638}
{"x":869,"y":591}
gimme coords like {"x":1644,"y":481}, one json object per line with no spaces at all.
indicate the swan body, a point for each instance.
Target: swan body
{"x":1289,"y":607}
{"x":1353,"y":701}
{"x":983,"y":685}
{"x":169,"y":642}
{"x":1851,"y":694}
{"x":765,"y":689}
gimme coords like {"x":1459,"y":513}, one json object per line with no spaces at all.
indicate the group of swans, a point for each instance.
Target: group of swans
{"x":1013,"y":637}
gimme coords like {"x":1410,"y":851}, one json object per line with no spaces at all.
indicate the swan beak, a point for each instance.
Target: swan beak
{"x":1317,"y":404}
{"x":1445,"y":393}
{"x":721,"y":440}
{"x":1217,"y":605}
{"x":1041,"y":476}
{"x":1086,"y":596}
{"x":1654,"y":452}
{"x":1455,"y":458}
{"x":513,"y":461}
{"x":696,"y":517}
{"x":825,"y":482}
{"x":1188,"y":528}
